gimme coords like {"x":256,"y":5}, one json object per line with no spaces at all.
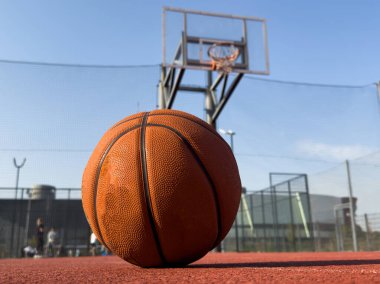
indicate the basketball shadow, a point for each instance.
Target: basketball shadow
{"x":287,"y":264}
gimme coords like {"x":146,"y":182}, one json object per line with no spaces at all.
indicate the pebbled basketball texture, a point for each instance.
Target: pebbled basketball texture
{"x":161,"y":188}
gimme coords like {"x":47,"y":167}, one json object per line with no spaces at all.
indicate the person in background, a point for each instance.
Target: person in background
{"x":93,"y":241}
{"x":40,"y":230}
{"x":51,"y":241}
{"x":28,"y":251}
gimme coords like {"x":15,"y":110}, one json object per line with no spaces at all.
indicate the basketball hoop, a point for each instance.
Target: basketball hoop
{"x":223,"y":56}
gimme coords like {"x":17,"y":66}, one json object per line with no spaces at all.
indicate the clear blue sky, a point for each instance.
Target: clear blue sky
{"x":328,"y":42}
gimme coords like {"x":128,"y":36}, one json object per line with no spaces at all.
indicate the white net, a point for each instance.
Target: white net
{"x":54,"y":115}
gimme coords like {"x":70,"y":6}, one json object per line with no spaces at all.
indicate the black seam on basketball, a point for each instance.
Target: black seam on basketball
{"x":124,"y":121}
{"x":204,"y":170}
{"x":98,"y":174}
{"x":197,"y":122}
{"x":148,"y":199}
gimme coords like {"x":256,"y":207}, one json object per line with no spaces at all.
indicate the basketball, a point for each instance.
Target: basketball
{"x":161,"y":189}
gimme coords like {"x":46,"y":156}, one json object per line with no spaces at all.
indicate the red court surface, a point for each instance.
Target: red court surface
{"x":347,"y":267}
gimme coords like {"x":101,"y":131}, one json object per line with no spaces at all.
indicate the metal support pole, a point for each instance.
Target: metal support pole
{"x":209,"y":102}
{"x":209,"y":109}
{"x":293,"y":232}
{"x":231,"y":134}
{"x":252,"y":215}
{"x":173,"y":89}
{"x":18,"y":167}
{"x":352,"y":214}
{"x":27,"y":217}
{"x":263,"y":218}
{"x":232,"y":141}
{"x":310,"y":217}
{"x":237,"y":231}
{"x":317,"y":232}
{"x":338,"y":230}
{"x":368,"y":230}
{"x":161,"y":90}
{"x":273,"y":196}
{"x":21,"y":210}
{"x":227,"y":95}
{"x":338,"y":233}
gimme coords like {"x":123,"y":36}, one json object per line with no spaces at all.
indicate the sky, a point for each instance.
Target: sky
{"x":280,"y":126}
{"x":314,"y":41}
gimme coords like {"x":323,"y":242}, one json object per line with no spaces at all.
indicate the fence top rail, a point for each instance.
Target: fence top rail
{"x":57,"y":189}
{"x":28,"y":193}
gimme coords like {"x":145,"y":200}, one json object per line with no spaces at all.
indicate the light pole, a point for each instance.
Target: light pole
{"x":231,"y":134}
{"x":18,"y":167}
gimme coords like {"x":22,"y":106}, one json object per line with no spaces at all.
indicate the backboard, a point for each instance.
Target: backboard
{"x":188,"y":35}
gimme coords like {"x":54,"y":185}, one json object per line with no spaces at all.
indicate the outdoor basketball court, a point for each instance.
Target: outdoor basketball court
{"x":215,"y":66}
{"x":347,"y":267}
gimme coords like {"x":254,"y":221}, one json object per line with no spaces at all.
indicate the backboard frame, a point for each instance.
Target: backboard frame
{"x":181,"y":59}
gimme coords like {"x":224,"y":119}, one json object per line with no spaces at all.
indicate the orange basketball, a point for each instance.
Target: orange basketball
{"x":161,"y":188}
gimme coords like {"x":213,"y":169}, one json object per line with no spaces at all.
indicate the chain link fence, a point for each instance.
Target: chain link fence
{"x":60,"y":209}
{"x":277,"y":218}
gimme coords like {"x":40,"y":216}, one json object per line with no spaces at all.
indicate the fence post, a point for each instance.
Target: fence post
{"x":27,"y":221}
{"x":352,"y":214}
{"x":368,"y":230}
{"x":293,"y":233}
{"x":263,"y":218}
{"x":237,"y":230}
{"x":19,"y":220}
{"x":16,"y":208}
{"x":253,"y":221}
{"x":310,"y":219}
{"x":274,"y":213}
{"x":317,"y":238}
{"x":338,"y":233}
